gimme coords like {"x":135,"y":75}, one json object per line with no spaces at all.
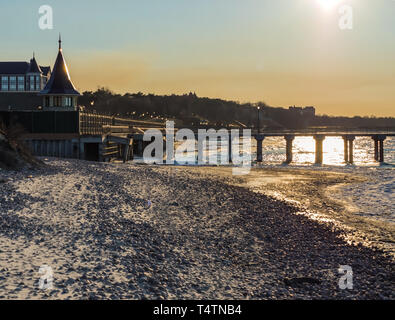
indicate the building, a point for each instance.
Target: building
{"x":23,"y":76}
{"x":29,"y":86}
{"x":59,"y":93}
{"x":308,"y":112}
{"x":45,"y":105}
{"x":20,"y":82}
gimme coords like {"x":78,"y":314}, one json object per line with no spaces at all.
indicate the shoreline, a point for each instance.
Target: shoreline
{"x":114,"y":231}
{"x":317,"y":193}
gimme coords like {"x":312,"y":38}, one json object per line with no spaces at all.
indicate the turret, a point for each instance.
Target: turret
{"x":60,"y":93}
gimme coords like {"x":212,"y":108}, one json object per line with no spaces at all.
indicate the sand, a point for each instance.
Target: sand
{"x":127,"y":231}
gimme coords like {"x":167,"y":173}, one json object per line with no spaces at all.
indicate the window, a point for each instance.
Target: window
{"x":68,"y":102}
{"x":31,"y":81}
{"x":4,"y":83}
{"x":38,"y":82}
{"x":21,"y":83}
{"x":57,"y":101}
{"x":12,"y":83}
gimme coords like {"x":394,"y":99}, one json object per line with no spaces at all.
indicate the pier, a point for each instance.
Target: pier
{"x":378,"y":142}
{"x":96,"y":137}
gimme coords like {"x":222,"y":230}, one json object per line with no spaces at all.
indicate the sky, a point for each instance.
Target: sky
{"x":282,"y":52}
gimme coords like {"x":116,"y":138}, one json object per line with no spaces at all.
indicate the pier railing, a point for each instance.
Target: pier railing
{"x":74,"y":122}
{"x":96,"y":124}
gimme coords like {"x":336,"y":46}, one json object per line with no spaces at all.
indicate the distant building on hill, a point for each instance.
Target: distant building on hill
{"x":308,"y":112}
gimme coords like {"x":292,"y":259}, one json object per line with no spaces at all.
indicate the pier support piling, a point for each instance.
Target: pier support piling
{"x":345,"y":149}
{"x":376,"y":149}
{"x":349,"y":148}
{"x":230,"y":149}
{"x":319,"y":139}
{"x":259,"y":141}
{"x":289,"y":155}
{"x":126,"y":153}
{"x":381,"y":150}
{"x":379,"y":147}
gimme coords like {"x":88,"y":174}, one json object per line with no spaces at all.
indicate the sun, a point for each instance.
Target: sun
{"x":328,"y":4}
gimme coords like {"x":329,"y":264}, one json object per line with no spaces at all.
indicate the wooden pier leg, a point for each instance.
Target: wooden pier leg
{"x":351,"y":149}
{"x":318,"y":148}
{"x":230,"y":148}
{"x":381,"y":147}
{"x":376,"y":149}
{"x":289,"y":155}
{"x":345,"y":149}
{"x":126,"y":153}
{"x":259,"y":141}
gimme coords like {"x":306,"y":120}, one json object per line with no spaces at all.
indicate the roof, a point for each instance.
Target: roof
{"x":34,"y":67}
{"x":45,"y":70}
{"x":19,"y":67}
{"x":13,"y":67}
{"x":60,"y":81}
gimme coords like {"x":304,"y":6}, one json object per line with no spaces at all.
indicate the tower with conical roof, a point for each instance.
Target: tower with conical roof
{"x":59,"y":92}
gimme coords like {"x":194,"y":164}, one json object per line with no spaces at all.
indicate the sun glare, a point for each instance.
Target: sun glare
{"x":328,"y":5}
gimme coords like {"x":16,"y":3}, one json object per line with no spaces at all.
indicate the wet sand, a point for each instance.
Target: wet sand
{"x":126,"y":231}
{"x":318,"y":195}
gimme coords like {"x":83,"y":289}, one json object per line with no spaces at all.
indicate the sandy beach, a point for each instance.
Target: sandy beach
{"x":129,"y":231}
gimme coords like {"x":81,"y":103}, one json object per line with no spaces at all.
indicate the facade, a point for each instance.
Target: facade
{"x":21,"y":77}
{"x":20,"y":82}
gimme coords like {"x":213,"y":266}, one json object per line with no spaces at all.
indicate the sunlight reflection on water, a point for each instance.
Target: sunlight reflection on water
{"x":304,"y":151}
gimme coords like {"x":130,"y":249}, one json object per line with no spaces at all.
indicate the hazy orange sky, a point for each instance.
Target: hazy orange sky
{"x":283,"y":52}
